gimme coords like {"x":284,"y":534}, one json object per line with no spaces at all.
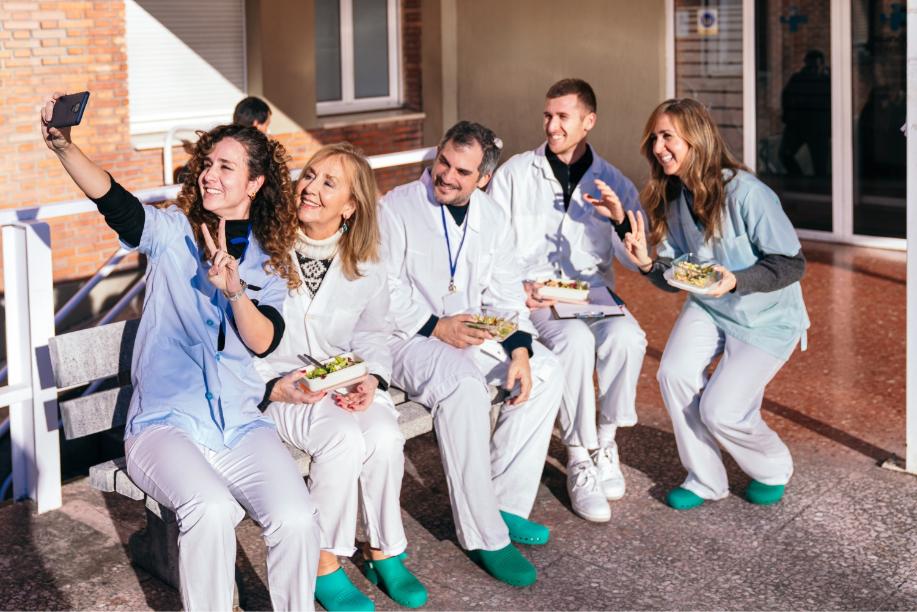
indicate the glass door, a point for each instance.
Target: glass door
{"x":793,"y":107}
{"x":708,"y":62}
{"x":879,"y":111}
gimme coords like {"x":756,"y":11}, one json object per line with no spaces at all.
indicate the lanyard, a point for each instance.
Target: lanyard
{"x":453,"y":265}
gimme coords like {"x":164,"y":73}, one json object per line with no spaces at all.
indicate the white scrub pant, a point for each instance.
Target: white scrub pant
{"x":614,"y":346}
{"x":208,"y":490}
{"x":355,"y":456}
{"x":485,"y":474}
{"x":725,"y":409}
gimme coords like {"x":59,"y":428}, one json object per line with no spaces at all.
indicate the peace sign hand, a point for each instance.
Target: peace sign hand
{"x":224,"y":268}
{"x":635,"y":242}
{"x":609,"y":206}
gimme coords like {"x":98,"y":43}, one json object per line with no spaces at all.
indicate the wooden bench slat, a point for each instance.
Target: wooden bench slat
{"x":89,"y":354}
{"x":94,"y":413}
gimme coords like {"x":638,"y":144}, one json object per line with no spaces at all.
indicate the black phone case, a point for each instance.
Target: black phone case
{"x":68,"y":110}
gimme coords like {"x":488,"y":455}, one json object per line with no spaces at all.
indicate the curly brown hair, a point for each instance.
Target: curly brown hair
{"x":272,"y":214}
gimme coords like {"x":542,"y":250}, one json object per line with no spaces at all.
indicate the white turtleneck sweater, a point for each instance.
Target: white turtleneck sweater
{"x":314,"y":257}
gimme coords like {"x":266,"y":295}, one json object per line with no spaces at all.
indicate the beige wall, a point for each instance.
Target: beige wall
{"x":281,"y":60}
{"x":510,"y":51}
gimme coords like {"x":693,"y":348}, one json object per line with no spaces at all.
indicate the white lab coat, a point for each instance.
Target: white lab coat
{"x":354,"y":455}
{"x":576,"y":243}
{"x":484,"y":475}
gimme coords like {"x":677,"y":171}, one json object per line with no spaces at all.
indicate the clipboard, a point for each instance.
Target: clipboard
{"x":603,"y":303}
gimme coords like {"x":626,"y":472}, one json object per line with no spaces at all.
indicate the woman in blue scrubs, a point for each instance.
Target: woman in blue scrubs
{"x":195,"y":441}
{"x":700,"y":200}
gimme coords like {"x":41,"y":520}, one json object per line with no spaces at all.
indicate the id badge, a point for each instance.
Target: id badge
{"x":454,"y":303}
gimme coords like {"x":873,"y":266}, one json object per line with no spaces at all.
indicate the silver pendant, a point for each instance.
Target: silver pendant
{"x":452,"y":287}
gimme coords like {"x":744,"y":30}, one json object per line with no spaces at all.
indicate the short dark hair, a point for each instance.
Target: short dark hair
{"x":249,"y":110}
{"x":465,"y":133}
{"x":581,"y":88}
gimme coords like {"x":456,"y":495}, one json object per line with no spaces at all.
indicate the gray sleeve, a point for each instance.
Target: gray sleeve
{"x":660,"y":265}
{"x":771,"y":273}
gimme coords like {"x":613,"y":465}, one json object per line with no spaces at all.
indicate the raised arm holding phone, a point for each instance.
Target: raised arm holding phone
{"x":194,"y":438}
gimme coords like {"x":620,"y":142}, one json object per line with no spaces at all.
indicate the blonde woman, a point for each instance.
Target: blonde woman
{"x":356,"y":445}
{"x":701,"y":200}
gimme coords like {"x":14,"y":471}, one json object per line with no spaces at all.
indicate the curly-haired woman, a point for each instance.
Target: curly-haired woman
{"x":356,"y":445}
{"x":195,"y":440}
{"x":701,"y":200}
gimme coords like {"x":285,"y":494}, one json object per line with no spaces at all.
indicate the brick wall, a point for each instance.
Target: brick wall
{"x":79,"y":45}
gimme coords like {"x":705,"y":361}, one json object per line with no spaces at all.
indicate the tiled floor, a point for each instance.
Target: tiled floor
{"x":844,"y":537}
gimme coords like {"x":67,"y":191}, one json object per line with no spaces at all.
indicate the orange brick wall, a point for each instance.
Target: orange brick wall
{"x":79,"y":45}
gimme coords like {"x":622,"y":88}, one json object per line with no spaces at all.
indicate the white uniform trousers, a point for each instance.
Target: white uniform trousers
{"x":208,"y":490}
{"x":725,"y":409}
{"x":485,"y":473}
{"x":355,"y":456}
{"x":613,"y":346}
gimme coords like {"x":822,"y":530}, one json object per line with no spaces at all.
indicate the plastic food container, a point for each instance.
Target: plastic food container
{"x":500,"y":323}
{"x":690,"y":273}
{"x":338,"y":371}
{"x":564,"y":290}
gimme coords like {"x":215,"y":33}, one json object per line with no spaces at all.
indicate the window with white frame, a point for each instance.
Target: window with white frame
{"x":357,"y":55}
{"x":185,"y":62}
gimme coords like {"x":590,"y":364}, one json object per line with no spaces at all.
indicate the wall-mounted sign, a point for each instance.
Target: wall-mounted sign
{"x":707,"y":22}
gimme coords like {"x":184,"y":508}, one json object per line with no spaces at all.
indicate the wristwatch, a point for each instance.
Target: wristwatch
{"x":234,"y":297}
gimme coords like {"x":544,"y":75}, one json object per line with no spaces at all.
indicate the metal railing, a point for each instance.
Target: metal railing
{"x":31,"y":394}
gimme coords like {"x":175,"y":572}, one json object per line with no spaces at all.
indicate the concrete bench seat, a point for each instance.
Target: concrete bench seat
{"x":82,"y":357}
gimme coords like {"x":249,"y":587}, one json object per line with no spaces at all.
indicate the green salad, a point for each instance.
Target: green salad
{"x":498,"y":327}
{"x":338,"y":363}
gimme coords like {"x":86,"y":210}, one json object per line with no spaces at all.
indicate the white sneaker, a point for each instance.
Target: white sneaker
{"x":608,"y":467}
{"x":586,"y":496}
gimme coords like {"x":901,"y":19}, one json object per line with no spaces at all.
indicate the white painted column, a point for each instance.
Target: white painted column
{"x":911,"y":392}
{"x":29,"y":324}
{"x":749,"y":86}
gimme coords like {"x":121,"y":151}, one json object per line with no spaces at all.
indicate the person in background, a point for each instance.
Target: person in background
{"x":342,"y":306}
{"x":448,"y":248}
{"x":700,"y":200}
{"x":195,"y":441}
{"x":562,"y":231}
{"x":253,"y":112}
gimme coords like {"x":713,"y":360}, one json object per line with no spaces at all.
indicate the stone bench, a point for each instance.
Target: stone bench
{"x":81,"y":357}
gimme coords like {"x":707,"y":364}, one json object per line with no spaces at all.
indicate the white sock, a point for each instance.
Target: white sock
{"x":607,"y":435}
{"x":575,"y":454}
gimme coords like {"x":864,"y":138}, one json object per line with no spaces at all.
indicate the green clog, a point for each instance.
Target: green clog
{"x":683,"y":499}
{"x":506,"y":565}
{"x":336,"y":593}
{"x":762,"y":494}
{"x":396,"y":581}
{"x":524,"y":531}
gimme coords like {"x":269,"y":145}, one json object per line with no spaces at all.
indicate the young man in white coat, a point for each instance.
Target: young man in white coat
{"x":449,"y":251}
{"x":562,"y":231}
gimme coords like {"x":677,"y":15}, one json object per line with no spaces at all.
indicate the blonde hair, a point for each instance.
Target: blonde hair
{"x":702,"y":168}
{"x":360,"y":243}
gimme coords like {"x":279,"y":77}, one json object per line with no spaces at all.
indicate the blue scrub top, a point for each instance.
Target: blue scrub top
{"x":179,"y":376}
{"x":753,"y":225}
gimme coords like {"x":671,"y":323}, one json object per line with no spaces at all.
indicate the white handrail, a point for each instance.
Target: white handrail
{"x":167,"y":148}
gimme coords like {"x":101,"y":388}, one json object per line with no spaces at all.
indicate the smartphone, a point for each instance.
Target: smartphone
{"x":68,"y":110}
